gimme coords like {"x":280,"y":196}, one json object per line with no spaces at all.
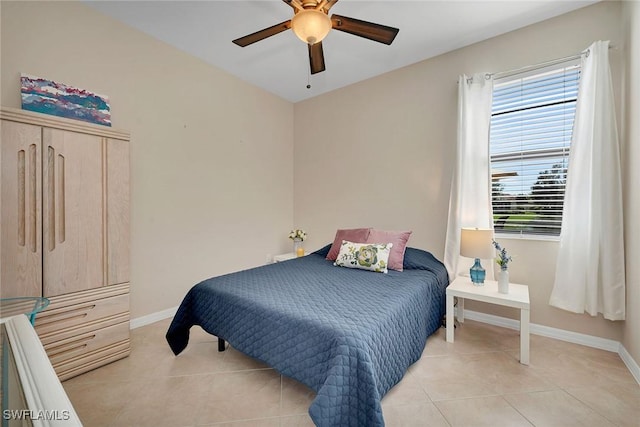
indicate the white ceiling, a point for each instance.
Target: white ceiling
{"x":280,"y":64}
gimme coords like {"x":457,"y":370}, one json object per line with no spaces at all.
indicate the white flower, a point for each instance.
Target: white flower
{"x":297,"y":234}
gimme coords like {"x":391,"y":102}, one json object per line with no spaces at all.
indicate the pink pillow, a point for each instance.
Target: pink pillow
{"x":399,"y":240}
{"x":355,"y":235}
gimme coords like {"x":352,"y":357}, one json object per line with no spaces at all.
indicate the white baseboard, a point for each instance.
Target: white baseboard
{"x":545,"y":331}
{"x":152,"y":318}
{"x":631,"y":364}
{"x":562,"y":335}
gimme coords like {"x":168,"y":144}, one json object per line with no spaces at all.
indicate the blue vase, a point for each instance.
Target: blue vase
{"x":477,"y":273}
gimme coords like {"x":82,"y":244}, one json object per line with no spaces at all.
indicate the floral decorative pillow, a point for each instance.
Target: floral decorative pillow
{"x":365,"y":256}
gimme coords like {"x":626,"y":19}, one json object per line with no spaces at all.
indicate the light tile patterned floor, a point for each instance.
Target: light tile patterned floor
{"x":476,"y":381}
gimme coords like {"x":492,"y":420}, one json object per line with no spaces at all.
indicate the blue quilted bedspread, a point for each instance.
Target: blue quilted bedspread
{"x":348,"y":334}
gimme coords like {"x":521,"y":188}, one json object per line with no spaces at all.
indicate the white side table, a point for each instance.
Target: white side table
{"x":285,"y":257}
{"x":517,"y":297}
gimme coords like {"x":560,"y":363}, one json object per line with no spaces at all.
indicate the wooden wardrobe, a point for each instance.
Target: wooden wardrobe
{"x":64,"y":215}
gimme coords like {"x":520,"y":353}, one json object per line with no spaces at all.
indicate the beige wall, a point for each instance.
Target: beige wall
{"x":204,"y":201}
{"x":631,"y":339}
{"x":378,"y":153}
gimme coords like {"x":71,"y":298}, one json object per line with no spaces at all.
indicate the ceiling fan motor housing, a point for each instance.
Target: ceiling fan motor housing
{"x":310,"y":25}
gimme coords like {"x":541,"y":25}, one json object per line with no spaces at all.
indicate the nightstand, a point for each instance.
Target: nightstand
{"x":284,"y":257}
{"x":518,"y":297}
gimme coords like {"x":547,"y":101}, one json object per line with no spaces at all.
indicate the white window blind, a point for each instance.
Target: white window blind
{"x":530,"y":137}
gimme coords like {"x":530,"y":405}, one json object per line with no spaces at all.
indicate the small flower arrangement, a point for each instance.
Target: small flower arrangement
{"x":298,"y":235}
{"x":503,"y":258}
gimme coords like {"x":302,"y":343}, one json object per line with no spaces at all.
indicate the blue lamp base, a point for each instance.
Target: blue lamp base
{"x":477,"y":273}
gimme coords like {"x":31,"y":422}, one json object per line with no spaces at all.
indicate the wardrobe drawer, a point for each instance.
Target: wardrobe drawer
{"x":86,"y":343}
{"x":90,"y":361}
{"x":60,"y":302}
{"x":62,"y":321}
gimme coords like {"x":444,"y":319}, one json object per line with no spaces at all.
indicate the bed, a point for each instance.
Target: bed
{"x":348,"y":334}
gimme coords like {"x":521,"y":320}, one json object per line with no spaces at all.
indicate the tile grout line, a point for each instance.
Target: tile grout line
{"x":589,"y":405}
{"x":518,"y":411}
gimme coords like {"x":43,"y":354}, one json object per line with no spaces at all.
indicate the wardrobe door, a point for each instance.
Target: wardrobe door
{"x":117,"y":211}
{"x":73,"y":212}
{"x":20,"y":210}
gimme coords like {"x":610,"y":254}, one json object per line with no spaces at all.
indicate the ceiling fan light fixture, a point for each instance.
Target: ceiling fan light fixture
{"x":311,"y":26}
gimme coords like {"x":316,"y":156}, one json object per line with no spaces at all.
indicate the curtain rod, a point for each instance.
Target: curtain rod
{"x":508,"y":73}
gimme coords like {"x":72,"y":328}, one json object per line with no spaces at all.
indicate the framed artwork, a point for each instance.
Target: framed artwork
{"x":50,"y":97}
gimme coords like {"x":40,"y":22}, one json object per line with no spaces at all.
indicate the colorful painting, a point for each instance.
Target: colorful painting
{"x":49,"y":97}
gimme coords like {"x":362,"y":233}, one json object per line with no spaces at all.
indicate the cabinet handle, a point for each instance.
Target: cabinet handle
{"x":22,"y":190}
{"x":33,"y":220}
{"x":61,"y":199}
{"x":27,"y":198}
{"x":51,"y":192}
{"x":57,"y":200}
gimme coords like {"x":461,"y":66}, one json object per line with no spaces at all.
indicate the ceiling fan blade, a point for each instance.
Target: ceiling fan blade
{"x":295,"y":4}
{"x":316,"y":58}
{"x":262,"y":34}
{"x":368,"y":30}
{"x":325,"y":5}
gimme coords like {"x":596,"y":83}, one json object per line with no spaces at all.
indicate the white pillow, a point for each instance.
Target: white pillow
{"x":365,"y":256}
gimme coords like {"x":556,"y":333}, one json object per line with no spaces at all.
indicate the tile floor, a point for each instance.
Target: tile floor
{"x":476,"y":381}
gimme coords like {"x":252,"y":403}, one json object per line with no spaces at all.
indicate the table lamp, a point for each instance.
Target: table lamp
{"x":476,"y":243}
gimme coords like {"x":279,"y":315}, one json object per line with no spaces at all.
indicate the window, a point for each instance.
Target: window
{"x":530,"y":137}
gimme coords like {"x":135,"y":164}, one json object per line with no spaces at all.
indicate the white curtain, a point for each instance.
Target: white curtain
{"x":590,"y":266}
{"x":470,"y":199}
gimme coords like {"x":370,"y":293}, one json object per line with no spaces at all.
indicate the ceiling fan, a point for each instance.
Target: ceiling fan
{"x":311,"y":23}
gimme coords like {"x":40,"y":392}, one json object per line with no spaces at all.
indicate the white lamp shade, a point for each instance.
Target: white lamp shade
{"x":476,"y":243}
{"x":311,"y":26}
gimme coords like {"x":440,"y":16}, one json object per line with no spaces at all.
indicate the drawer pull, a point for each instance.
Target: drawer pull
{"x":76,"y":313}
{"x":78,"y":344}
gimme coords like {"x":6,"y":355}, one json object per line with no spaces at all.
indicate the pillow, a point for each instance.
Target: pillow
{"x":356,"y":235}
{"x":365,"y":256}
{"x":399,"y":240}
